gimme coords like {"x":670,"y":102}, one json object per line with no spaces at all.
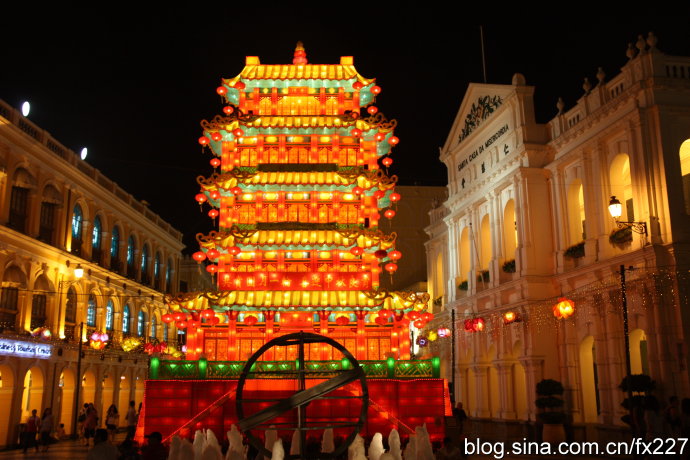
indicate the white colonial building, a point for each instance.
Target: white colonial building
{"x":527,"y":222}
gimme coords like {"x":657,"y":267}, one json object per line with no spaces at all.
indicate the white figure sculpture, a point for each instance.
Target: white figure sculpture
{"x":394,"y":444}
{"x":327,"y":443}
{"x":376,"y":447}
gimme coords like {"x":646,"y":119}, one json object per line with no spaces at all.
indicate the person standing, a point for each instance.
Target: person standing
{"x":131,"y":419}
{"x":112,"y":420}
{"x":47,"y":425}
{"x":29,"y":435}
{"x":90,"y":423}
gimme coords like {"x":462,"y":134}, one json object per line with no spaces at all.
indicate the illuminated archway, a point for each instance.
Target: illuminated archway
{"x":7,"y":387}
{"x":638,"y":352}
{"x":65,"y":404}
{"x":520,"y":391}
{"x":138,"y":390}
{"x":684,"y":154}
{"x":621,"y":185}
{"x":470,"y":386}
{"x":438,"y":281}
{"x":588,"y":381}
{"x":123,"y":399}
{"x":509,"y":230}
{"x":88,"y":388}
{"x":107,"y":392}
{"x":485,"y":242}
{"x":465,"y":254}
{"x":576,"y":212}
{"x":32,"y":396}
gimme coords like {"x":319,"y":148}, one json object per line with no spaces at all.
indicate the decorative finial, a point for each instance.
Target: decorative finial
{"x":300,"y":55}
{"x":601,"y":75}
{"x":651,"y":39}
{"x":586,"y":85}
{"x":630,"y":52}
{"x":640,"y":44}
{"x":560,"y":105}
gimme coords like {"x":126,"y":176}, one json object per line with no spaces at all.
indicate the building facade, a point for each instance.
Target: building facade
{"x":78,"y":255}
{"x":527,"y":223}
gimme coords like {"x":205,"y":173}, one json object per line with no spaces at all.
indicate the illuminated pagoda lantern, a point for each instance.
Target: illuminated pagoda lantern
{"x":298,"y":192}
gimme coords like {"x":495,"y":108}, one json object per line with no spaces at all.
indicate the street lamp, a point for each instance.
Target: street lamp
{"x":616,"y":210}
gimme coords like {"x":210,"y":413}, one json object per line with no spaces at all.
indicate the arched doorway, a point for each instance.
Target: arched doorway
{"x":465,"y":254}
{"x":88,"y":387}
{"x":638,"y":352}
{"x":470,"y":395}
{"x":621,"y":185}
{"x":139,"y":390}
{"x":576,"y":212}
{"x":509,"y":231}
{"x":123,"y":399}
{"x":588,"y":381}
{"x":485,"y":250}
{"x":32,"y":396}
{"x":7,"y":386}
{"x":65,"y":403}
{"x":108,"y":393}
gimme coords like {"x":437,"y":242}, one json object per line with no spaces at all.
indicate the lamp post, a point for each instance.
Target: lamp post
{"x":75,"y":414}
{"x":626,"y":338}
{"x":616,"y":210}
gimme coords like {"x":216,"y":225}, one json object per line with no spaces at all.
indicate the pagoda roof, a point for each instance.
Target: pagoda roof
{"x":254,"y":70}
{"x":370,"y":238}
{"x":300,"y":300}
{"x":366,"y":179}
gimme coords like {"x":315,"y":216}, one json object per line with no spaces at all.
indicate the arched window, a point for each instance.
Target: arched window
{"x":168,"y":276}
{"x":145,"y":260}
{"x":130,"y":256}
{"x":115,"y":243}
{"x":49,"y":204}
{"x":77,"y":223}
{"x":91,"y":311}
{"x":509,"y":230}
{"x":576,"y":212}
{"x":71,"y":306}
{"x":157,"y":268}
{"x":485,"y":240}
{"x":141,"y":323}
{"x":96,"y":234}
{"x":621,"y":185}
{"x":153,"y":331}
{"x":465,"y":254}
{"x":23,"y":182}
{"x":38,"y":311}
{"x":109,"y":316}
{"x":684,"y":154}
{"x":125,"y":320}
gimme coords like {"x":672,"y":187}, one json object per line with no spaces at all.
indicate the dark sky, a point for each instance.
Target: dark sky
{"x":133,"y":84}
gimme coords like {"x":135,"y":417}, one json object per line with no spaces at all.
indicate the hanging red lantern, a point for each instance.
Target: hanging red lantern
{"x":356,"y":132}
{"x":222,"y":90}
{"x":381,"y":321}
{"x":213,"y":213}
{"x":357,"y":251}
{"x":215,"y":162}
{"x":390,"y":267}
{"x":167,"y":318}
{"x":240,"y":85}
{"x":215,"y":194}
{"x":250,"y":320}
{"x":387,"y":161}
{"x":395,"y":197}
{"x":216,"y":136}
{"x":386,"y":313}
{"x":238,"y":132}
{"x":228,"y":109}
{"x":235,"y":190}
{"x":203,"y":140}
{"x":214,"y":321}
{"x":193,"y":324}
{"x":199,"y":256}
{"x":200,"y":198}
{"x":393,"y":140}
{"x":395,"y":255}
{"x":478,"y":324}
{"x":511,"y":317}
{"x":342,"y":321}
{"x":375,"y":90}
{"x":404,"y":322}
{"x":358,"y":190}
{"x":389,"y":213}
{"x":372,"y":110}
{"x":234,"y":250}
{"x":379,"y":136}
{"x":212,"y":254}
{"x":564,"y":308}
{"x":357,"y":85}
{"x":212,"y":269}
{"x":379,"y":194}
{"x":181,"y":324}
{"x":469,"y":325}
{"x":381,"y":253}
{"x":427,"y":316}
{"x":179,"y":316}
{"x":414,"y":315}
{"x":208,"y":313}
{"x":418,"y":324}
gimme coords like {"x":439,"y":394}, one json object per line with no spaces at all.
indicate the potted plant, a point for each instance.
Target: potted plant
{"x":550,"y":403}
{"x":575,"y":251}
{"x":509,"y":266}
{"x":483,"y":276}
{"x":640,"y":386}
{"x":621,"y":238}
{"x":463,"y":286}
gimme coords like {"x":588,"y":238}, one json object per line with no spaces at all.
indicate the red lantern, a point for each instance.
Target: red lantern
{"x":357,"y":251}
{"x":235,"y":190}
{"x":393,"y":140}
{"x":380,"y":136}
{"x":215,"y":320}
{"x":395,"y":255}
{"x":212,"y":254}
{"x":372,"y":110}
{"x":469,"y":325}
{"x":395,"y":197}
{"x":386,"y":313}
{"x":381,"y":253}
{"x":208,"y":313}
{"x":193,"y":324}
{"x":215,"y":194}
{"x":511,"y":317}
{"x":222,"y":90}
{"x":356,"y":132}
{"x":478,"y":324}
{"x":200,"y":198}
{"x":234,"y":250}
{"x":199,"y":256}
{"x":238,"y":132}
{"x":427,"y":316}
{"x":167,"y":318}
{"x":216,"y":136}
{"x":228,"y":109}
{"x":342,"y":321}
{"x":215,"y":162}
{"x":212,"y":269}
{"x":419,"y":324}
{"x":564,"y":308}
{"x":179,"y":316}
{"x":390,"y":267}
{"x":379,"y":194}
{"x":375,"y":90}
{"x":240,"y":85}
{"x":414,"y":315}
{"x":389,"y":213}
{"x":181,"y":324}
{"x":203,"y":140}
{"x":250,"y":320}
{"x":387,"y":161}
{"x":213,"y":213}
{"x":358,"y":190}
{"x":357,"y":85}
{"x":381,"y":321}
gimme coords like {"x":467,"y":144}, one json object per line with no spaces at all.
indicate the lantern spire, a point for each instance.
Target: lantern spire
{"x":300,"y":55}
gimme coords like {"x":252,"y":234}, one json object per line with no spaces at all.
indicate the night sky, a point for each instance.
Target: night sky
{"x":133,"y":84}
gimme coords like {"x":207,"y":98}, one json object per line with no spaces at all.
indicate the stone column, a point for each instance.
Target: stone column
{"x":506,"y":389}
{"x":534,"y":372}
{"x":481,"y":375}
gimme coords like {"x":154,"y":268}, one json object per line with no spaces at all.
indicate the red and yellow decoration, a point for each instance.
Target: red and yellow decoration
{"x":564,"y":308}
